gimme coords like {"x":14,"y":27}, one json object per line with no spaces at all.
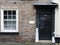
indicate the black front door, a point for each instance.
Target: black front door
{"x":45,"y":23}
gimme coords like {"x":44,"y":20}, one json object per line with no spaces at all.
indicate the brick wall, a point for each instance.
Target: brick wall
{"x":26,"y":30}
{"x":26,"y":12}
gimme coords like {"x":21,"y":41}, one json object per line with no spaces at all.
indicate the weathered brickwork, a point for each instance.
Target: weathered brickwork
{"x":26,"y":12}
{"x":26,"y":30}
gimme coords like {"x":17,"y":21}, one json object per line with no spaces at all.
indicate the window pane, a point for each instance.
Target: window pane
{"x":5,"y":24}
{"x":5,"y":12}
{"x":13,"y":25}
{"x":5,"y":17}
{"x":9,"y":12}
{"x":5,"y":27}
{"x":9,"y":25}
{"x":9,"y":17}
{"x":14,"y":12}
{"x":14,"y":22}
{"x":13,"y":17}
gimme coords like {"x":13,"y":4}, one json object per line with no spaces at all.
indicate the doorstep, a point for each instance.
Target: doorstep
{"x":45,"y":41}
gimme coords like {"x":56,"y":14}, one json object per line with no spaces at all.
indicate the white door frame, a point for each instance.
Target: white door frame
{"x":55,"y":29}
{"x":37,"y":36}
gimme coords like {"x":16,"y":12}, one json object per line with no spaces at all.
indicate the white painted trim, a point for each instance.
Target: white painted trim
{"x":56,"y":27}
{"x":2,"y":23}
{"x":17,"y":20}
{"x":37,"y":36}
{"x":56,"y":22}
{"x":53,"y":39}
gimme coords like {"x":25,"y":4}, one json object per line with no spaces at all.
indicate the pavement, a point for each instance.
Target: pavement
{"x":26,"y":43}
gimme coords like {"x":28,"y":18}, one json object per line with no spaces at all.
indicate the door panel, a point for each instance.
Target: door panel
{"x":45,"y":23}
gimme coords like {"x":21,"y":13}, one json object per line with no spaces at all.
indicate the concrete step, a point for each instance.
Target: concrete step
{"x":47,"y":44}
{"x":45,"y":41}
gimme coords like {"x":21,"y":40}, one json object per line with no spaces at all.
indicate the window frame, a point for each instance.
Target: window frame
{"x":2,"y":21}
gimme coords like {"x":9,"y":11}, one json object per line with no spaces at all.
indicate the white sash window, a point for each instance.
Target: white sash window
{"x":9,"y":20}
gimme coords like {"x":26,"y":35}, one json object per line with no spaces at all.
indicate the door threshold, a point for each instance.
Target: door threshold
{"x":45,"y":41}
